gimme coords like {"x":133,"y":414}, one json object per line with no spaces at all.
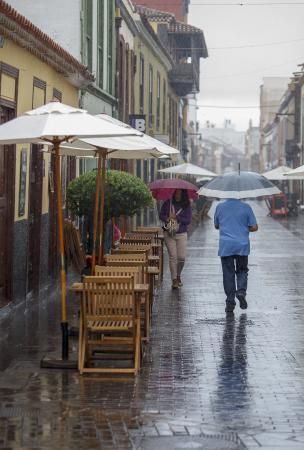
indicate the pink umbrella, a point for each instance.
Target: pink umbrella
{"x":165,"y":188}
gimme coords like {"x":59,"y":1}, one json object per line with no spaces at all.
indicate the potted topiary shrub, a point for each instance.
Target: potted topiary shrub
{"x":125,"y":195}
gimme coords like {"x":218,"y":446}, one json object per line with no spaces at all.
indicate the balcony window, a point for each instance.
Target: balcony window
{"x":110,"y":45}
{"x":150,"y":96}
{"x":100,"y":42}
{"x":127,"y":81}
{"x":158,"y":103}
{"x":57,"y":94}
{"x":164,"y":106}
{"x":88,"y":33}
{"x":141,"y":83}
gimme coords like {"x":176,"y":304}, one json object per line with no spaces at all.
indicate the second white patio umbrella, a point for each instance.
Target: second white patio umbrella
{"x":128,"y":147}
{"x":189,"y":169}
{"x":55,"y":123}
{"x":296,"y":174}
{"x":282,"y":173}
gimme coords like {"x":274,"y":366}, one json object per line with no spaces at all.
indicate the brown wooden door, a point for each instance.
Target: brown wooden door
{"x":7,"y":184}
{"x":35,"y":208}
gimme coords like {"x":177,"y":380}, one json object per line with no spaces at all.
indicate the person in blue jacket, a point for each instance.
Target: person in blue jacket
{"x":234,"y":219}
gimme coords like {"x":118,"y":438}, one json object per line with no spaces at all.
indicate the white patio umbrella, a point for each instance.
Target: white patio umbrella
{"x":296,"y":174}
{"x":199,"y":179}
{"x":128,"y":147}
{"x":189,"y":169}
{"x":282,"y":173}
{"x":55,"y":123}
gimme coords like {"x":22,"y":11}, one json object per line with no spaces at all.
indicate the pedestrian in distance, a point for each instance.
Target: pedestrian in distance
{"x":234,"y":219}
{"x":176,"y":213}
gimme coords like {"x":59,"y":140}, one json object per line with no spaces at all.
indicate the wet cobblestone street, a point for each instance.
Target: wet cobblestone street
{"x":208,"y":381}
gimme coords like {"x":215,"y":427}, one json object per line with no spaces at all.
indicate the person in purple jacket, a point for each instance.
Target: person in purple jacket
{"x":178,"y":208}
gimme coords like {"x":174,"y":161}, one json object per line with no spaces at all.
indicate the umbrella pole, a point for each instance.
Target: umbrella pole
{"x":102,"y":203}
{"x":95,"y":223}
{"x":64,"y":323}
{"x":64,"y":362}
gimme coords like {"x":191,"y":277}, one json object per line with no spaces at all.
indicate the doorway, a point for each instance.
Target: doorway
{"x":35,"y":209}
{"x":7,"y":185}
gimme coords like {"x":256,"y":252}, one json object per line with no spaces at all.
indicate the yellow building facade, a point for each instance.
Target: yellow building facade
{"x":153,"y":93}
{"x":35,"y":86}
{"x":155,"y":101}
{"x":33,"y":71}
{"x":154,"y":97}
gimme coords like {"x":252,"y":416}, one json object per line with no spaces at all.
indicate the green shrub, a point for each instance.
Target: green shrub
{"x":125,"y":194}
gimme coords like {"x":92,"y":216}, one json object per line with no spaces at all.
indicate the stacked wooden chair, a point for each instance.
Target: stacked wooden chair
{"x":150,"y":271}
{"x":110,"y":316}
{"x":136,"y":272}
{"x":157,"y":237}
{"x":117,"y":300}
{"x":134,"y":247}
{"x":137,"y":239}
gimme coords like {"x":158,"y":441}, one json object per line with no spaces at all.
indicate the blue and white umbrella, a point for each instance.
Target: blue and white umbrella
{"x":239,"y":185}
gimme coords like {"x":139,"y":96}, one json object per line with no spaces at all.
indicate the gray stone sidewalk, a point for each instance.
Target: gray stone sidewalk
{"x":208,"y":381}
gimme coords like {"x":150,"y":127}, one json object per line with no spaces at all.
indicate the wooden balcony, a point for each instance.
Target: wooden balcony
{"x":184,"y":78}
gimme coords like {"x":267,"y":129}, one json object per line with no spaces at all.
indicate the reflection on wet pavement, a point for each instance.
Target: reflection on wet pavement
{"x":232,"y":384}
{"x":208,"y":380}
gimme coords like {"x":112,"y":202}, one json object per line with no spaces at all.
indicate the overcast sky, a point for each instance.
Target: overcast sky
{"x":232,"y":77}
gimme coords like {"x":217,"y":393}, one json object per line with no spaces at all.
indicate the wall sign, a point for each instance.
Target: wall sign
{"x":138,"y":121}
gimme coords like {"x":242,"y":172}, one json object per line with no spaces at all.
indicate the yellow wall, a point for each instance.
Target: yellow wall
{"x":153,"y":59}
{"x":150,"y":59}
{"x":29,"y":67}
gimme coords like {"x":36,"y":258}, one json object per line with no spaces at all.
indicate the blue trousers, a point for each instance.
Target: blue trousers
{"x":235,"y":276}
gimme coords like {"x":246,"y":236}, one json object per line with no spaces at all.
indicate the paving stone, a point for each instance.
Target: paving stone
{"x":189,"y":443}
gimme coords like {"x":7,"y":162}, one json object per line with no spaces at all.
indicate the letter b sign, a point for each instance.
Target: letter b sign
{"x":138,"y":121}
{"x":140,"y":125}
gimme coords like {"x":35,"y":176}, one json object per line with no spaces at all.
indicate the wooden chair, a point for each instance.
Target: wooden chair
{"x":131,"y":256}
{"x":152,"y":230}
{"x":156,"y":244}
{"x":153,"y":257}
{"x":140,"y":237}
{"x":131,"y":260}
{"x":155,"y":234}
{"x":137,"y":245}
{"x":149,"y":273}
{"x":111,"y":271}
{"x":134,"y":248}
{"x":136,"y":272}
{"x":110,"y":316}
{"x":140,"y":258}
{"x":158,"y":238}
{"x":151,"y":260}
